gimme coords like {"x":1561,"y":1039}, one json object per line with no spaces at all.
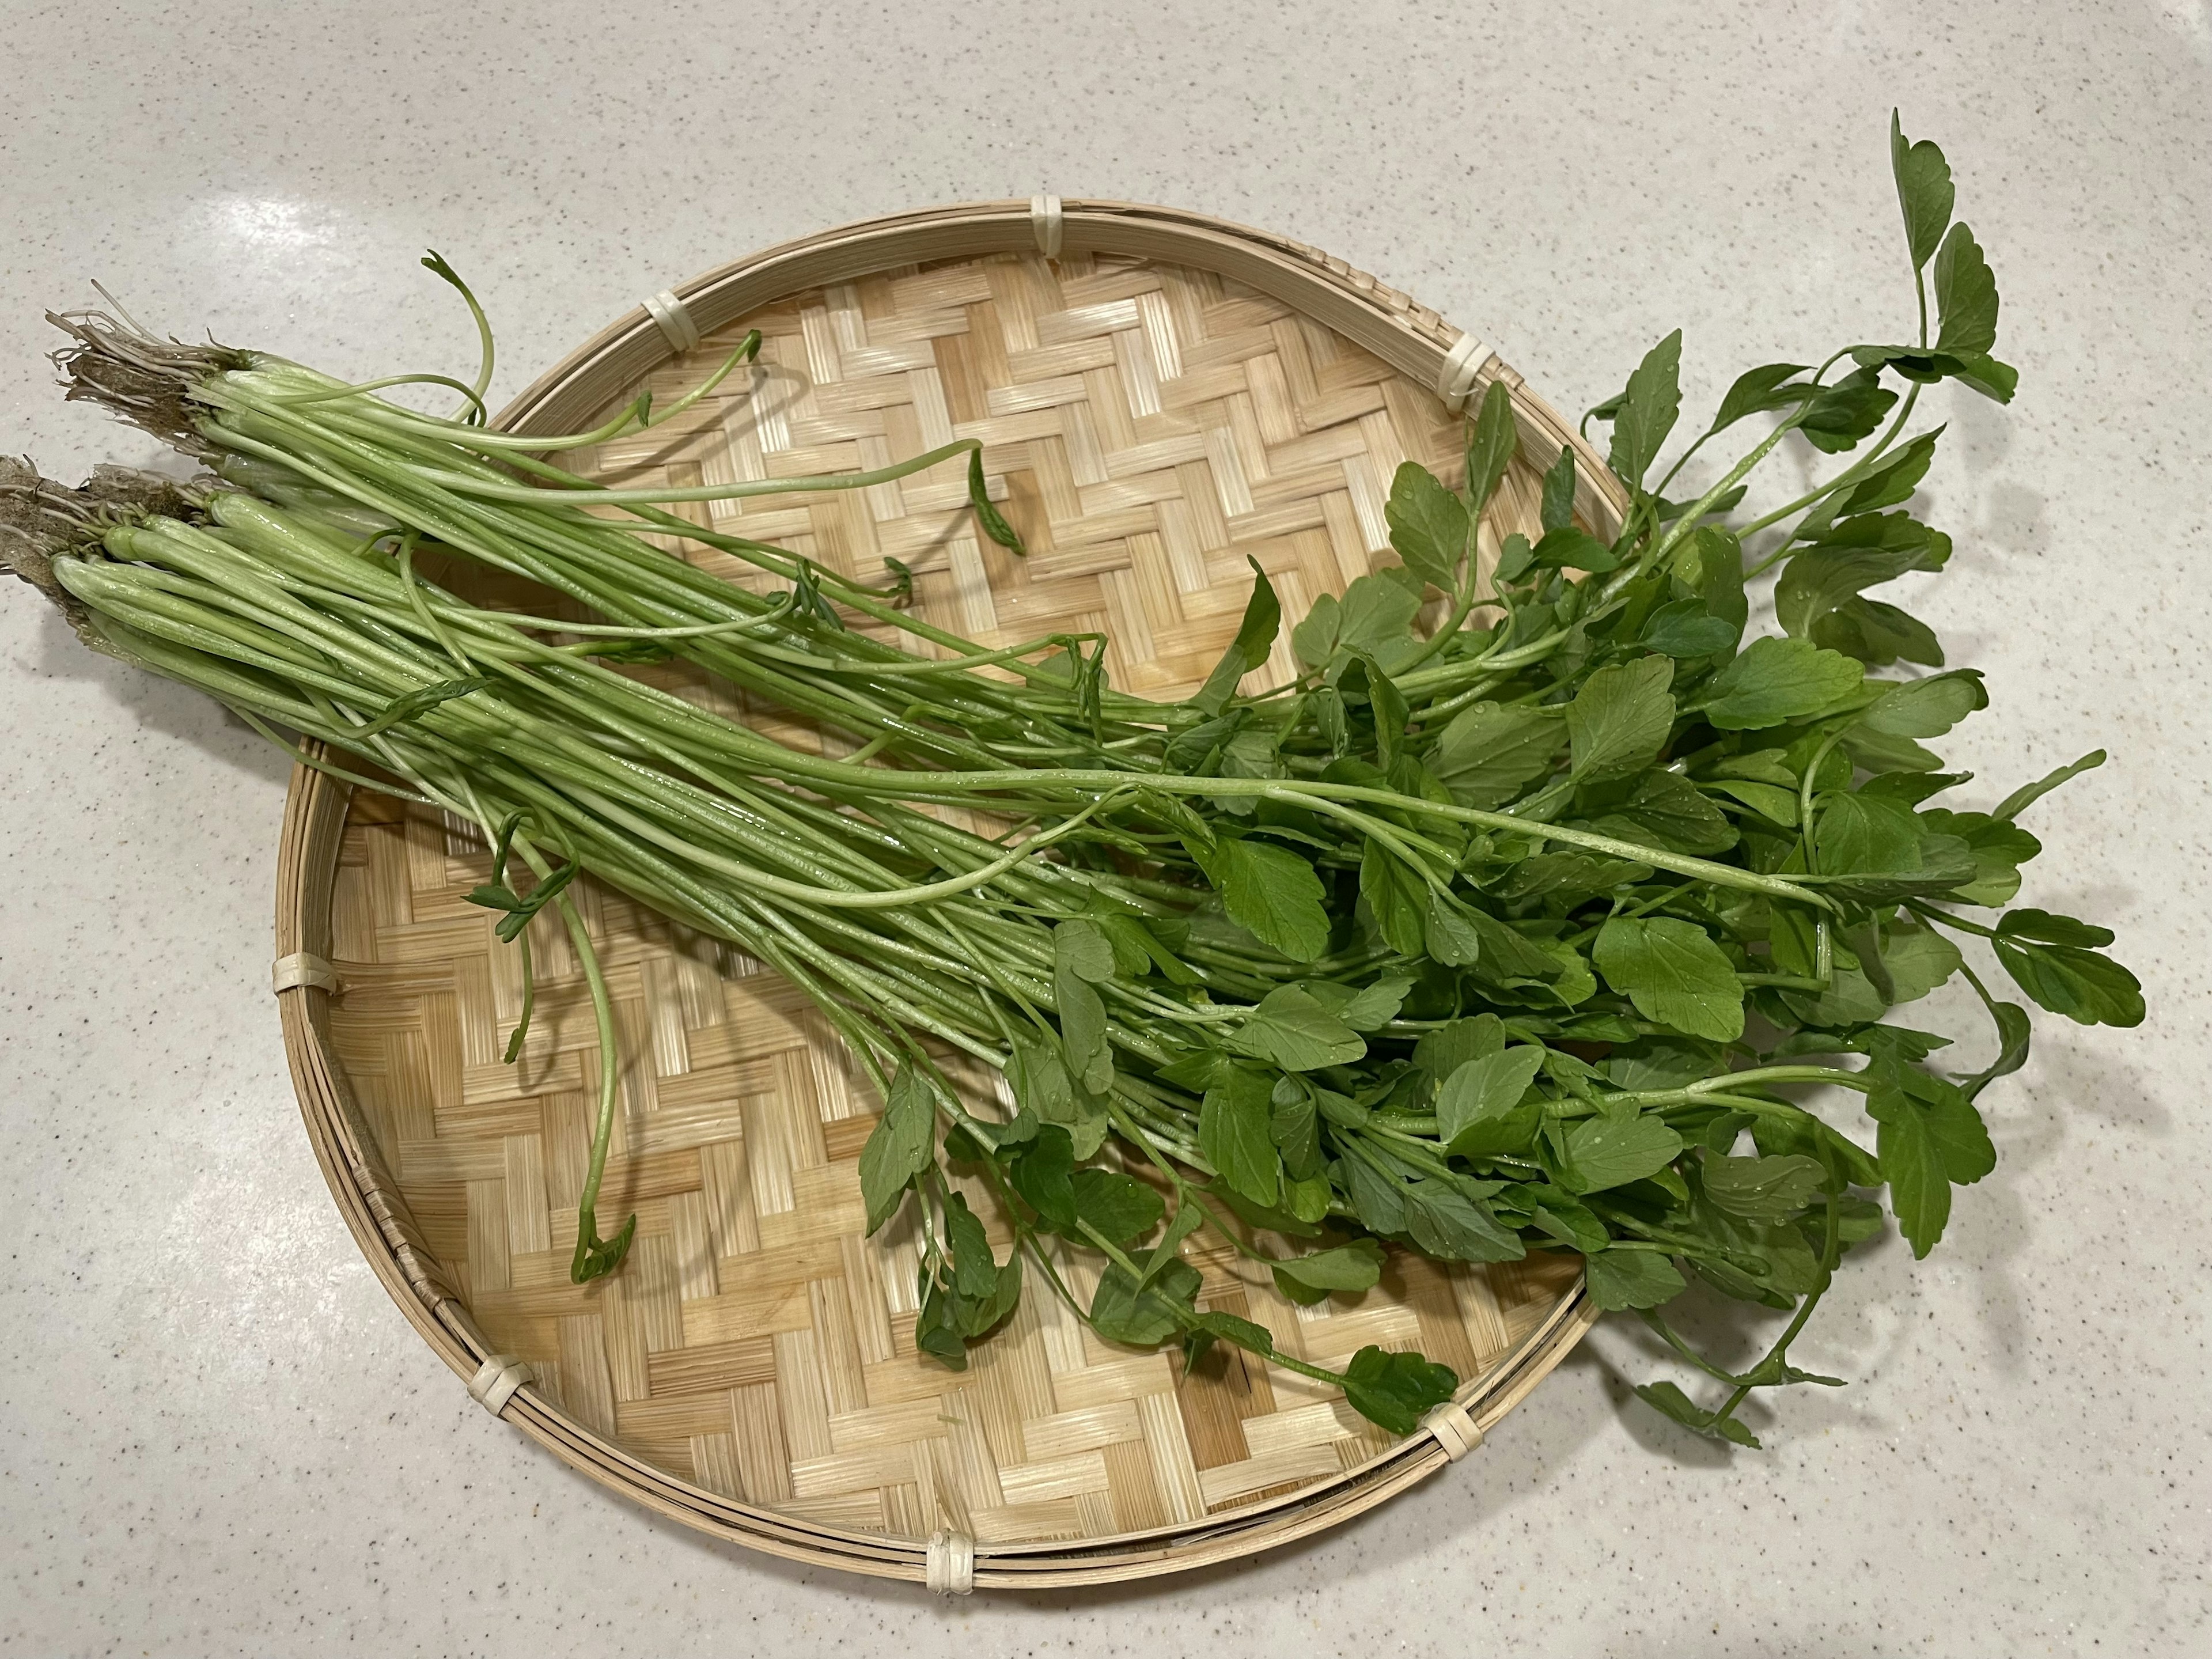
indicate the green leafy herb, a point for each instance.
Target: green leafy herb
{"x":899,"y":1148}
{"x":1452,"y":943}
{"x":1675,"y":975}
{"x":1396,"y":1389}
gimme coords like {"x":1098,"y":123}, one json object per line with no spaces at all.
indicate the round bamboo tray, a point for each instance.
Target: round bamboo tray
{"x":1160,"y":395}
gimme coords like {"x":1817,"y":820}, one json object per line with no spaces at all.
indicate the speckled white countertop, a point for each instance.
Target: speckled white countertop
{"x":218,"y":1435}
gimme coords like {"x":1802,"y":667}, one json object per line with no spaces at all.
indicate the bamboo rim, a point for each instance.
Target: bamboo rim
{"x":1412,"y":339}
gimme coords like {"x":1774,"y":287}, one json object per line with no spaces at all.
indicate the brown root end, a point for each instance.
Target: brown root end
{"x":147,"y":381}
{"x":41,"y":521}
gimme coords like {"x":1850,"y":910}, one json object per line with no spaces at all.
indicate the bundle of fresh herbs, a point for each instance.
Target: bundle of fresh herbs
{"x":1524,"y":934}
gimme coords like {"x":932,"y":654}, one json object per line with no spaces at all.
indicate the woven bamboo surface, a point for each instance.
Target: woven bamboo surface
{"x":1149,"y":426}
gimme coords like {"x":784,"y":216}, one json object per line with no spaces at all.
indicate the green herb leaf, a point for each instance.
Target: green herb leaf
{"x":1604,"y":1153}
{"x":1451,"y":1226}
{"x":1043,"y":1172}
{"x":1879,"y":845}
{"x":1928,"y":707}
{"x":1620,"y":719}
{"x":1515,"y":554}
{"x":1631,"y":1279}
{"x":1119,"y":1206}
{"x":1398,"y":897}
{"x":1675,"y":975}
{"x":1894,"y":482}
{"x":1233,"y":1125}
{"x":974,"y":1273}
{"x":1776,"y":680}
{"x":1967,"y":294}
{"x":1396,"y":1390}
{"x":1571,"y":549}
{"x":1083,"y":958}
{"x":1877,"y":633}
{"x":1492,"y":440}
{"x":1255,"y":638}
{"x":2014,"y":1034}
{"x":900,"y":1147}
{"x":1487,"y":756}
{"x":1556,"y":510}
{"x":1349,"y":1268}
{"x":1919,"y":1191}
{"x":1483,"y":1094}
{"x":936,"y":1327}
{"x":2048,"y":957}
{"x":2025,"y":796}
{"x":1145,"y":1317}
{"x":987,"y":512}
{"x":1290,"y":1028}
{"x":1771,"y":386}
{"x":1766,"y":1189}
{"x":1849,"y":412}
{"x":1924,"y":191}
{"x":1374,"y":616}
{"x":1036,"y":1071}
{"x":1859,"y":553}
{"x":1686,"y":628}
{"x":1241,"y":1333}
{"x":1999,"y":849}
{"x":1647,"y":410}
{"x":1670,"y":1401}
{"x":1930,"y":1137}
{"x":1294,"y":1125}
{"x":1375,"y":1006}
{"x":1188,"y":1218}
{"x":1271,"y":892}
{"x":1428,"y":523}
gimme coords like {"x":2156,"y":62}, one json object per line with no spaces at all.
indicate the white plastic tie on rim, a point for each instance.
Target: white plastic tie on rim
{"x":301,"y":968}
{"x":1456,"y":380}
{"x":950,"y":1567}
{"x":674,"y":320}
{"x":1047,"y":223}
{"x":497,"y":1380}
{"x":1455,"y":1429}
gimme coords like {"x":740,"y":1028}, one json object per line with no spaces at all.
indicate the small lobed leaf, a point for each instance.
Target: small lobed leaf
{"x":1270,"y":891}
{"x":1965,"y":294}
{"x":1487,"y":756}
{"x":1143,"y":1316}
{"x":1557,"y":506}
{"x":1669,"y":1400}
{"x":1348,"y":1268}
{"x":1428,"y":525}
{"x":1674,"y":974}
{"x":1620,"y":1279}
{"x":1924,"y":191}
{"x":1762,"y":1188}
{"x":1493,"y":439}
{"x":1771,"y":386}
{"x":1647,"y":410}
{"x":1604,"y":1153}
{"x":1620,"y":718}
{"x":901,"y":1147}
{"x":1234,"y":1132}
{"x":1396,"y":1390}
{"x":1120,"y":1206}
{"x":1485,"y":1088}
{"x":1776,"y":680}
{"x":1290,"y":1027}
{"x":1255,"y":638}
